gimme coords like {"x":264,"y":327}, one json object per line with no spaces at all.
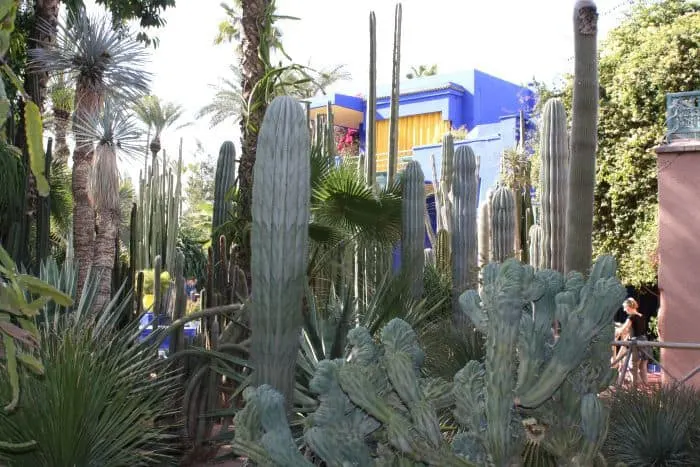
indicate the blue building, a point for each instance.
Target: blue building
{"x":485,"y":108}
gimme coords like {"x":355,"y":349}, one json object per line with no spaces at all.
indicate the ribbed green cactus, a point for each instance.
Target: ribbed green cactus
{"x":484,"y":233}
{"x":584,"y":138}
{"x":463,"y":198}
{"x":443,"y":187}
{"x":224,"y":181}
{"x":413,"y":227}
{"x":443,"y":248}
{"x":279,"y":241}
{"x":157,"y":289}
{"x":395,"y":95}
{"x":554,"y":154}
{"x":502,"y":224}
{"x":536,"y":245}
{"x":371,"y":131}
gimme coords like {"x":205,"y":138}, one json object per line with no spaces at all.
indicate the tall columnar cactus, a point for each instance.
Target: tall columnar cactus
{"x":502,"y":224}
{"x":279,"y":241}
{"x":443,"y":252}
{"x":484,"y":234}
{"x":224,"y":181}
{"x":395,"y":95}
{"x":463,"y":194}
{"x":554,"y":174}
{"x":371,"y":131}
{"x":413,"y":228}
{"x":528,"y":381}
{"x":584,"y":138}
{"x":443,"y":205}
{"x":536,"y":245}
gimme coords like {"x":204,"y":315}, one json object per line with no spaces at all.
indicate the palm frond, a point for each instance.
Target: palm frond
{"x":61,"y":196}
{"x":157,"y":114}
{"x":94,"y":55}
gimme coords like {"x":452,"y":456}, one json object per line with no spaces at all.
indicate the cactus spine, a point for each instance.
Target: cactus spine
{"x":224,"y":181}
{"x":502,"y":224}
{"x":554,"y":153}
{"x":462,"y":197}
{"x":413,"y":228}
{"x":395,"y":94}
{"x":279,"y":241}
{"x":371,"y":131}
{"x":584,"y":131}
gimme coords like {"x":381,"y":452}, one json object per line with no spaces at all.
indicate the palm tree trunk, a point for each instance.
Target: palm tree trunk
{"x":87,"y":102}
{"x":253,"y":16}
{"x":103,"y":261}
{"x":60,"y":129}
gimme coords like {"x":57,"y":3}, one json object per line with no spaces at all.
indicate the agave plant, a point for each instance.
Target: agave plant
{"x":104,"y":397}
{"x":101,"y":62}
{"x":114,"y":132}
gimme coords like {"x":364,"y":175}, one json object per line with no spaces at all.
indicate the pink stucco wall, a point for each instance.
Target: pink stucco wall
{"x":679,"y":255}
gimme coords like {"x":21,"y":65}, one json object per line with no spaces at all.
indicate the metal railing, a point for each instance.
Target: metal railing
{"x":633,"y":346}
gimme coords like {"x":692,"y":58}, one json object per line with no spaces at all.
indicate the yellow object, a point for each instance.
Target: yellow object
{"x":148,"y":300}
{"x":414,"y":130}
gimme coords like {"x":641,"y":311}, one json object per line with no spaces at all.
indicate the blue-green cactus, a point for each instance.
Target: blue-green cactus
{"x":413,"y":226}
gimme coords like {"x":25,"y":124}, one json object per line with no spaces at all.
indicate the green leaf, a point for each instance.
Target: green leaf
{"x":35,"y":145}
{"x":42,"y":288}
{"x":11,"y":357}
{"x":31,"y":362}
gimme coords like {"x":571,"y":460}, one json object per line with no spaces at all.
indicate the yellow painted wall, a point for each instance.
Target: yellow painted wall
{"x":414,"y":130}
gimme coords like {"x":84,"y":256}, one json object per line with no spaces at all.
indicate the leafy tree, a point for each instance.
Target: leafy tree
{"x":654,"y":51}
{"x":199,"y":196}
{"x":421,"y":71}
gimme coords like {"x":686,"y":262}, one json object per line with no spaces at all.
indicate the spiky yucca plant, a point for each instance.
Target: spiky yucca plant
{"x":101,"y":62}
{"x":114,"y":132}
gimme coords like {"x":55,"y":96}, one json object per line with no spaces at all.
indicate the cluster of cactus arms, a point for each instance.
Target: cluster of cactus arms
{"x":413,"y":227}
{"x":375,"y":408}
{"x":279,"y":241}
{"x":157,"y":215}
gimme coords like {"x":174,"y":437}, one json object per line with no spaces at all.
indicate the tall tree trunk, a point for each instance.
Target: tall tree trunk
{"x":87,"y":102}
{"x":105,"y":196}
{"x":60,"y":129}
{"x":45,"y":14}
{"x":253,"y":16}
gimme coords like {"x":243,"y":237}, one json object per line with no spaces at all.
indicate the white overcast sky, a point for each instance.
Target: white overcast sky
{"x":512,"y":39}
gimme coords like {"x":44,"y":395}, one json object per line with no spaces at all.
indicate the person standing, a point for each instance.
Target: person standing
{"x":636,"y":328}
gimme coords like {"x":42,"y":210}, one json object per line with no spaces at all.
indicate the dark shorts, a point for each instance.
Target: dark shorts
{"x":643,"y":353}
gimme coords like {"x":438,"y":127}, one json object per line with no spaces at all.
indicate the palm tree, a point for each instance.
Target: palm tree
{"x":113,"y":131}
{"x":158,"y":116}
{"x":421,"y":71}
{"x":62,"y":95}
{"x":101,"y":62}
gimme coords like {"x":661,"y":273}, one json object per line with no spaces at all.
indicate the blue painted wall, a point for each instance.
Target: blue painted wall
{"x":487,"y":141}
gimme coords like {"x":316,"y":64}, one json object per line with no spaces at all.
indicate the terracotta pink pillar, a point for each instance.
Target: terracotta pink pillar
{"x":679,"y":255}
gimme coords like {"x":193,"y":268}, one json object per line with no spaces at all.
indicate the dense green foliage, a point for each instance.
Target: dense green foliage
{"x":654,"y":51}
